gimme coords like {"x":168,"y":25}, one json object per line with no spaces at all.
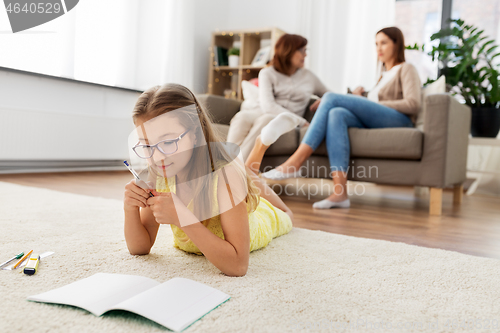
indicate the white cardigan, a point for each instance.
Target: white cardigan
{"x":280,"y":93}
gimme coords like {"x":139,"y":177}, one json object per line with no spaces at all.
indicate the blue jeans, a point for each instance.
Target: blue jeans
{"x":336,"y":113}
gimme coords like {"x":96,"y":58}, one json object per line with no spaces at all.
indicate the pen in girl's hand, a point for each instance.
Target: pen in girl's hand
{"x":137,"y":179}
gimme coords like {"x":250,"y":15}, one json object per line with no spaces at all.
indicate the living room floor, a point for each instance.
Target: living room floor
{"x":393,"y":213}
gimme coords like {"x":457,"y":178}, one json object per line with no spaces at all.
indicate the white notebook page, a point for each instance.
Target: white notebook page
{"x":99,"y":292}
{"x":175,"y":304}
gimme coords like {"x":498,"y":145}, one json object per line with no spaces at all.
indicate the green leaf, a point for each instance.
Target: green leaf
{"x":413,"y":47}
{"x":480,"y":33}
{"x":495,"y":91}
{"x":467,"y":56}
{"x":457,"y":21}
{"x":429,"y":81}
{"x":496,"y":55}
{"x":491,"y":49}
{"x":484,"y":46}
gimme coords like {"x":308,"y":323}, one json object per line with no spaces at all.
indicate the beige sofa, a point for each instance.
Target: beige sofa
{"x":434,"y":156}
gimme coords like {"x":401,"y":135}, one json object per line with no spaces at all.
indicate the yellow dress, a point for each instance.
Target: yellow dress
{"x":266,"y":222}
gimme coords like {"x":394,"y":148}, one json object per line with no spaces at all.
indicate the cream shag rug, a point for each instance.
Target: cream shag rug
{"x":305,"y":280}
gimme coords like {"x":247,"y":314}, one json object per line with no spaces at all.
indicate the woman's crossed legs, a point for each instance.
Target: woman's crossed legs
{"x":335,"y":114}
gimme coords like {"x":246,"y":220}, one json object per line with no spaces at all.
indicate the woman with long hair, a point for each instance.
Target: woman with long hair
{"x":394,"y":101}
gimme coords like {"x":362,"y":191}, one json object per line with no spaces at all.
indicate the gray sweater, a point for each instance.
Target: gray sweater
{"x":280,"y":93}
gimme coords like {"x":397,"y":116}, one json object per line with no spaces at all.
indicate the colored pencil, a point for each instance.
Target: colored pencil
{"x":22,"y":259}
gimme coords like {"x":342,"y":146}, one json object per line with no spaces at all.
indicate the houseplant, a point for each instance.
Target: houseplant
{"x":234,"y":56}
{"x":468,"y":60}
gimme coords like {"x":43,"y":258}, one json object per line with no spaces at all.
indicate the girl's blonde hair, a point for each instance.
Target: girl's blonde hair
{"x":159,"y":100}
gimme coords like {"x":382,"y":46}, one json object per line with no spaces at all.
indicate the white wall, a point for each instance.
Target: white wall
{"x":202,"y":17}
{"x":208,"y":16}
{"x":340,"y":33}
{"x":47,"y":122}
{"x":151,"y":21}
{"x":245,"y":14}
{"x":33,"y":92}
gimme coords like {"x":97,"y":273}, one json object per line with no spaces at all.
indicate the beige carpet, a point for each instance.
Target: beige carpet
{"x":304,"y":279}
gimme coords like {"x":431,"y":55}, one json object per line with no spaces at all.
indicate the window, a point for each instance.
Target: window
{"x":84,"y":44}
{"x":486,"y":16}
{"x":418,"y":20}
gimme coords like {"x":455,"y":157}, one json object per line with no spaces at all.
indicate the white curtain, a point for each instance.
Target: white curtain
{"x":341,"y":39}
{"x":131,"y":43}
{"x":178,"y":45}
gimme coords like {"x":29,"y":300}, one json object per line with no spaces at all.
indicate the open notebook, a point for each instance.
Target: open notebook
{"x":175,"y":304}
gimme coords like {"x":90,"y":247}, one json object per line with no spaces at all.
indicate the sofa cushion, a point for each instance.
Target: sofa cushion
{"x":220,"y":109}
{"x":286,"y":144}
{"x":437,"y":87}
{"x":390,"y":143}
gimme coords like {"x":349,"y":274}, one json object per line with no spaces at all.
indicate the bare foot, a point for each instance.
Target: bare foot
{"x":294,"y":162}
{"x":255,"y":158}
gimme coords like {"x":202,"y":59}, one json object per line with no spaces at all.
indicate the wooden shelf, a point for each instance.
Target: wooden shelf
{"x":258,"y":68}
{"x":227,"y":68}
{"x":221,"y":78}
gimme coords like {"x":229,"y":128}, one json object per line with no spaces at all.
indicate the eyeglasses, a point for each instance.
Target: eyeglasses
{"x":302,"y":50}
{"x":166,"y":147}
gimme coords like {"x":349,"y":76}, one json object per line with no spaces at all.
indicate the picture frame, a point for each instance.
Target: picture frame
{"x":262,"y":57}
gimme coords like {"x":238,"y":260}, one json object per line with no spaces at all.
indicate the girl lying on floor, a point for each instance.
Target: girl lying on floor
{"x":215,"y":206}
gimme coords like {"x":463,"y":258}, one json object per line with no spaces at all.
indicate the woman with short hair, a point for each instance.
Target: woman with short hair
{"x":285,"y":88}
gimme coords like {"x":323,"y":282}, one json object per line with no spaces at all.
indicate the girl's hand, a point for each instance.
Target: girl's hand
{"x":358,"y":91}
{"x":135,"y":196}
{"x":163,"y":207}
{"x":314,"y":106}
{"x":167,"y":208}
